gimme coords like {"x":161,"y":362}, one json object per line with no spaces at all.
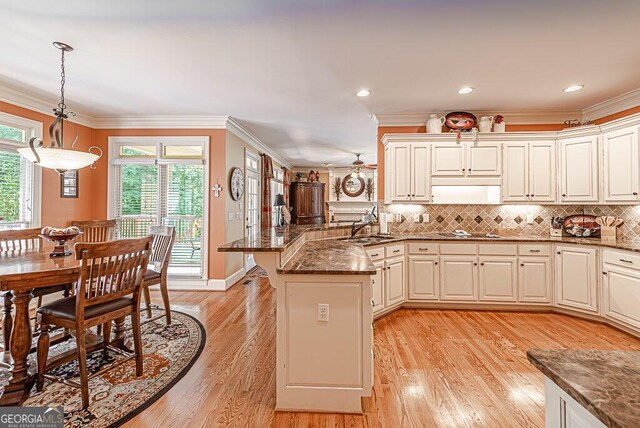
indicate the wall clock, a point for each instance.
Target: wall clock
{"x":353,"y":186}
{"x":236,"y":184}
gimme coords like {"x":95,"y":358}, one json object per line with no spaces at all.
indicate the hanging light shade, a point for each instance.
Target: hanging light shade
{"x":55,"y":156}
{"x":358,"y":166}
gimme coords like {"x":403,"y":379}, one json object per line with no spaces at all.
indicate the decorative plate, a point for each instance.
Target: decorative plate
{"x":461,"y":121}
{"x":581,"y":226}
{"x":236,"y":184}
{"x":352,"y":187}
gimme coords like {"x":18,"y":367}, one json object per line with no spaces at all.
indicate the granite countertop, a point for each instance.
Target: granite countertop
{"x":330,"y":256}
{"x":606,"y":383}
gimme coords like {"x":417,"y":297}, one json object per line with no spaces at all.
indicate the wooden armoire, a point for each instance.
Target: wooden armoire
{"x":307,"y":202}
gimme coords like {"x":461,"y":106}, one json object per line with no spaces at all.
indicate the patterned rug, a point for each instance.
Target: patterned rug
{"x":118,"y":395}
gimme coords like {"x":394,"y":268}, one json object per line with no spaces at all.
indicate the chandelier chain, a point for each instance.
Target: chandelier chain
{"x":62,"y":105}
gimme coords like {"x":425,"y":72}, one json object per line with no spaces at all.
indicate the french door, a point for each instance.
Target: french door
{"x":162,"y":183}
{"x":252,"y":202}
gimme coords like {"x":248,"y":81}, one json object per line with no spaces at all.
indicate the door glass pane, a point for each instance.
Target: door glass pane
{"x":184,"y":211}
{"x":138,"y":151}
{"x":13,"y":134}
{"x":139,"y":200}
{"x":184,"y":152}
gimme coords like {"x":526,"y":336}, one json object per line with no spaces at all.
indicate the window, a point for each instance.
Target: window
{"x":161,"y":180}
{"x":19,"y":179}
{"x":277,"y":187}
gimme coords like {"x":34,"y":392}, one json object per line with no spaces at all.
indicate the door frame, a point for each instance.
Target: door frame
{"x":249,"y":260}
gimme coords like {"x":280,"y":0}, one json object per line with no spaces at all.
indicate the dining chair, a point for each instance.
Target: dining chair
{"x":163,"y":239}
{"x":95,"y":230}
{"x":111,"y":278}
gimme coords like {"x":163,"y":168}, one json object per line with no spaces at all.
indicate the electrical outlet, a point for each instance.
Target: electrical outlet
{"x":529,"y":218}
{"x":425,"y":218}
{"x":230,"y":216}
{"x":239,"y":215}
{"x":323,"y":312}
{"x":389,"y":217}
{"x":416,"y":218}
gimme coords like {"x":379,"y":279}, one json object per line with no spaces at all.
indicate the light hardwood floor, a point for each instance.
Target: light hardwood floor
{"x":432,"y":368}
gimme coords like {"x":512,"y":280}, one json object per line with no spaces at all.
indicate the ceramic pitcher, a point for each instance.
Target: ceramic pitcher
{"x":434,"y":124}
{"x":485,"y":123}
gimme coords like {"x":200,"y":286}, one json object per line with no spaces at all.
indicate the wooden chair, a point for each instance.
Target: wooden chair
{"x":163,"y":239}
{"x":111,"y":277}
{"x":95,"y":230}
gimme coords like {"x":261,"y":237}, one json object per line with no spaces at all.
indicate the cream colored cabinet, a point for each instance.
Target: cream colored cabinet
{"x":377,"y":287}
{"x":423,"y":277}
{"x":394,"y":279}
{"x":459,"y":278}
{"x":529,"y":172}
{"x":576,"y":279}
{"x":466,"y":159}
{"x":409,"y":177}
{"x":498,"y":279}
{"x":621,"y":159}
{"x":579,"y":172}
{"x":621,"y":295}
{"x":534,"y":280}
{"x":387,"y":173}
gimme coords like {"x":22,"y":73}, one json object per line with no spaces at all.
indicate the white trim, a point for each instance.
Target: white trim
{"x":162,"y":122}
{"x":237,"y":128}
{"x":613,"y":105}
{"x":511,"y":117}
{"x":225,"y":284}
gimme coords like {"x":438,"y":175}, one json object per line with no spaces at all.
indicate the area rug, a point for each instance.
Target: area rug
{"x":118,"y":395}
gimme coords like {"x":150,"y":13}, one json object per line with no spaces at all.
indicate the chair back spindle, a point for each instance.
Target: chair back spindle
{"x":163,"y":239}
{"x":95,"y":230}
{"x":21,"y":239}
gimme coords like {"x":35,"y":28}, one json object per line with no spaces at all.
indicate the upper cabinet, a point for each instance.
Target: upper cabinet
{"x":529,"y":172}
{"x":620,"y":158}
{"x":447,"y":160}
{"x":579,"y":170}
{"x":408,"y":178}
{"x":451,"y":159}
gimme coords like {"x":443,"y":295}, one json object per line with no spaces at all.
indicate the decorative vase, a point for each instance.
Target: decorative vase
{"x":499,"y":127}
{"x":434,"y":124}
{"x":485,"y":123}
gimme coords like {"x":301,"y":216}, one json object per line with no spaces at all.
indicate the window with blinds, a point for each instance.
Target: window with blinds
{"x":166,"y":190}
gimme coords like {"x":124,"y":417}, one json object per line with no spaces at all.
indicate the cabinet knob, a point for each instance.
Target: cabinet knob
{"x":527,"y":196}
{"x":604,"y":273}
{"x":532,"y":195}
{"x":635,"y":193}
{"x":564,"y":195}
{"x":558,"y":252}
{"x":522,"y":264}
{"x":475,"y":264}
{"x":436,"y":263}
{"x":463,"y":169}
{"x":481,"y":264}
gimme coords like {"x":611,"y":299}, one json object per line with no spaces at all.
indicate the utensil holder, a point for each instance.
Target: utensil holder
{"x":608,"y":233}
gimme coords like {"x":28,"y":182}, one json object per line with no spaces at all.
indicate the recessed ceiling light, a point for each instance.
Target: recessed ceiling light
{"x":363,"y":93}
{"x":465,"y":90}
{"x":573,"y":88}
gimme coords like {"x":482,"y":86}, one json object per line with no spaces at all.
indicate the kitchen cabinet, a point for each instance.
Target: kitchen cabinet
{"x":621,"y":287}
{"x":394,"y":281}
{"x":561,"y":410}
{"x":579,"y":171}
{"x":621,"y":159}
{"x":377,"y":287}
{"x":409,"y":177}
{"x":459,"y":278}
{"x":534,"y":280}
{"x":576,"y":279}
{"x":482,"y":159}
{"x":447,"y":159}
{"x":423,"y":277}
{"x":498,"y":279}
{"x":529,"y":172}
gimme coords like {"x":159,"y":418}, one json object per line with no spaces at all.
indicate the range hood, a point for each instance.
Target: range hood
{"x":468,"y":194}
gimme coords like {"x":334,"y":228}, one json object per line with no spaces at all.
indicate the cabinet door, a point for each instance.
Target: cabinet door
{"x":498,"y":279}
{"x":458,"y":278}
{"x":621,"y":294}
{"x":420,"y":176}
{"x":377,"y":287}
{"x":515,"y":181}
{"x":423,"y":277}
{"x":447,"y":160}
{"x":579,"y":169}
{"x":401,"y":183}
{"x":621,"y":179}
{"x":534,"y":280}
{"x":542,"y":172}
{"x":485,"y":159}
{"x":388,"y":174}
{"x":394,"y":281}
{"x":576,"y":278}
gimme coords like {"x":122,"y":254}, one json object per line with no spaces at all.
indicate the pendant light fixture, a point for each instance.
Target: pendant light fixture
{"x":358,"y":166}
{"x":55,"y":156}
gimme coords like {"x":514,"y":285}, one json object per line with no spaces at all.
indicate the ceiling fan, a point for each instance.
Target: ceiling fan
{"x":358,"y":166}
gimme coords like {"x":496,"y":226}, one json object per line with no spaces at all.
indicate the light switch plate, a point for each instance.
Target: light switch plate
{"x":425,"y":218}
{"x":398,"y":218}
{"x":529,"y":218}
{"x":389,"y":218}
{"x":416,"y":218}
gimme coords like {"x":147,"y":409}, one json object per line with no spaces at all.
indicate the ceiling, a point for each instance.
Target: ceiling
{"x":289,"y":69}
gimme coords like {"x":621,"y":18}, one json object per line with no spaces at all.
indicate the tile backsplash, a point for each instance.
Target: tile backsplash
{"x":488,"y":218}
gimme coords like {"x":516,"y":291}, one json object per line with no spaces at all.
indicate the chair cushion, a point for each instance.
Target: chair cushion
{"x":66,"y":308}
{"x":151,"y":275}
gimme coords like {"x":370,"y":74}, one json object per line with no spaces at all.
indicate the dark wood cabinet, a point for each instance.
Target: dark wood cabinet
{"x":307,"y":203}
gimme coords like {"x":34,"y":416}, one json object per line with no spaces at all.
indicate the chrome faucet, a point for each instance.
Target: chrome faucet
{"x":369,"y":218}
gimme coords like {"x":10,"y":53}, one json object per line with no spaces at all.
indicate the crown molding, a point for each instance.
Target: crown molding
{"x":237,"y":128}
{"x":613,"y":105}
{"x":162,"y":122}
{"x":511,"y":117}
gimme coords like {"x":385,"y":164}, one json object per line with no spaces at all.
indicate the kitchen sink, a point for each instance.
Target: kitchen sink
{"x":371,"y":239}
{"x":471,"y":235}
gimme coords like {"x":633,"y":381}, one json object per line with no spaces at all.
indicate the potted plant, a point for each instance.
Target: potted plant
{"x":498,"y":123}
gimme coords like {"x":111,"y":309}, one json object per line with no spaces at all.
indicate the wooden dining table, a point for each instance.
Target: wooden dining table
{"x":22,"y":272}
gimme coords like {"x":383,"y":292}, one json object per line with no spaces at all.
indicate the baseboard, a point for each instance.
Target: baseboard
{"x":225,"y":284}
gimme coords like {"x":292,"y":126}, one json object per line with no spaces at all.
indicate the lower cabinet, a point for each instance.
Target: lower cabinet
{"x":377,"y":287}
{"x":459,"y":278}
{"x":423,"y":277}
{"x":534,"y":280}
{"x":498,"y":279}
{"x":621,"y":294}
{"x":576,"y":279}
{"x":394,"y":281}
{"x":562,"y":411}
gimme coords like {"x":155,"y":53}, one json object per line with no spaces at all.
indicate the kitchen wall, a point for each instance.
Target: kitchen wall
{"x":489,"y":218}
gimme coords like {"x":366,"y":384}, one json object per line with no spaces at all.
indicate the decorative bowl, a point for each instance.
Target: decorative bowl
{"x":61,"y":249}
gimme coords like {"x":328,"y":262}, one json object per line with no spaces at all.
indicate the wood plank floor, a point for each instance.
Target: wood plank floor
{"x":432,"y":368}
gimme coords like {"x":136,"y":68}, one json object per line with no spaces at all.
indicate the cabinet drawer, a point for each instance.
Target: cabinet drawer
{"x":423,"y":248}
{"x":458,"y":248}
{"x":376,"y":253}
{"x":534,"y":250}
{"x":497,"y":249}
{"x":621,"y":258}
{"x":394,"y":250}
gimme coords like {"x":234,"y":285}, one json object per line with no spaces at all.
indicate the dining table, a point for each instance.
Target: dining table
{"x":23,"y":272}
